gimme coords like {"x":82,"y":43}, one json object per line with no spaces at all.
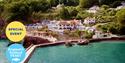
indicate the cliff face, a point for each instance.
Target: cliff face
{"x":33,"y":40}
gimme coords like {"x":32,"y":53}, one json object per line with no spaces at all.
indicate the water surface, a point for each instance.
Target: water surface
{"x":102,"y":52}
{"x":3,"y":47}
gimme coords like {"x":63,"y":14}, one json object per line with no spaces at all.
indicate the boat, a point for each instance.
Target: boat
{"x":83,"y":42}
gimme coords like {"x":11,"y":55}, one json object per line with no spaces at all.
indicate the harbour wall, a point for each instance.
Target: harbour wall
{"x":106,"y":39}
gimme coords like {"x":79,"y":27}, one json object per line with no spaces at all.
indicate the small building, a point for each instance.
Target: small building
{"x":45,"y":22}
{"x":42,"y":34}
{"x":89,"y":20}
{"x":62,"y":25}
{"x":100,"y":34}
{"x":90,"y":29}
{"x":93,"y":9}
{"x":30,"y":27}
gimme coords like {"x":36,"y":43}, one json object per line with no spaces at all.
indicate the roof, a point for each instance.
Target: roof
{"x":37,"y":24}
{"x":88,"y":18}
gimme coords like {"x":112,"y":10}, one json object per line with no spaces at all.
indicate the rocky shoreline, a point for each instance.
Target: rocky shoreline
{"x":28,"y":40}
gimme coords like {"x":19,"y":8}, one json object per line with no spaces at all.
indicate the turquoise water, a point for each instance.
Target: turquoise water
{"x":3,"y":47}
{"x":102,"y":52}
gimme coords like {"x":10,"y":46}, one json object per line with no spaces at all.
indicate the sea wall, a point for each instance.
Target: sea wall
{"x":29,"y":56}
{"x":106,"y":39}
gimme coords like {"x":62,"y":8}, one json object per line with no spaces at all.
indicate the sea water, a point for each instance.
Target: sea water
{"x":100,"y":52}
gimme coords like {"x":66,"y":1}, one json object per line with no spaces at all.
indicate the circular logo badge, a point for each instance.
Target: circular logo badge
{"x":15,"y":31}
{"x":15,"y":53}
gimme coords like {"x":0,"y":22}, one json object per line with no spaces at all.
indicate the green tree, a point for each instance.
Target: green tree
{"x":83,"y":15}
{"x":121,"y":20}
{"x":121,"y":17}
{"x":38,"y":5}
{"x":87,"y":3}
{"x":107,"y":2}
{"x":117,"y":26}
{"x":88,"y":35}
{"x":63,"y":13}
{"x":112,"y":3}
{"x":105,"y":14}
{"x":1,"y":7}
{"x":52,"y":2}
{"x":116,"y":3}
{"x":72,"y":11}
{"x":105,"y":7}
{"x":22,"y":10}
{"x":114,"y":28}
{"x":72,"y":2}
{"x":16,"y":11}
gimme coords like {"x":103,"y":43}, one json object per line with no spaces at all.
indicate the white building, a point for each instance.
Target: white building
{"x":31,"y":27}
{"x":93,"y":9}
{"x":89,"y":20}
{"x":60,"y":26}
{"x":100,"y":34}
{"x":45,"y":22}
{"x":41,"y":34}
{"x":90,"y":29}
